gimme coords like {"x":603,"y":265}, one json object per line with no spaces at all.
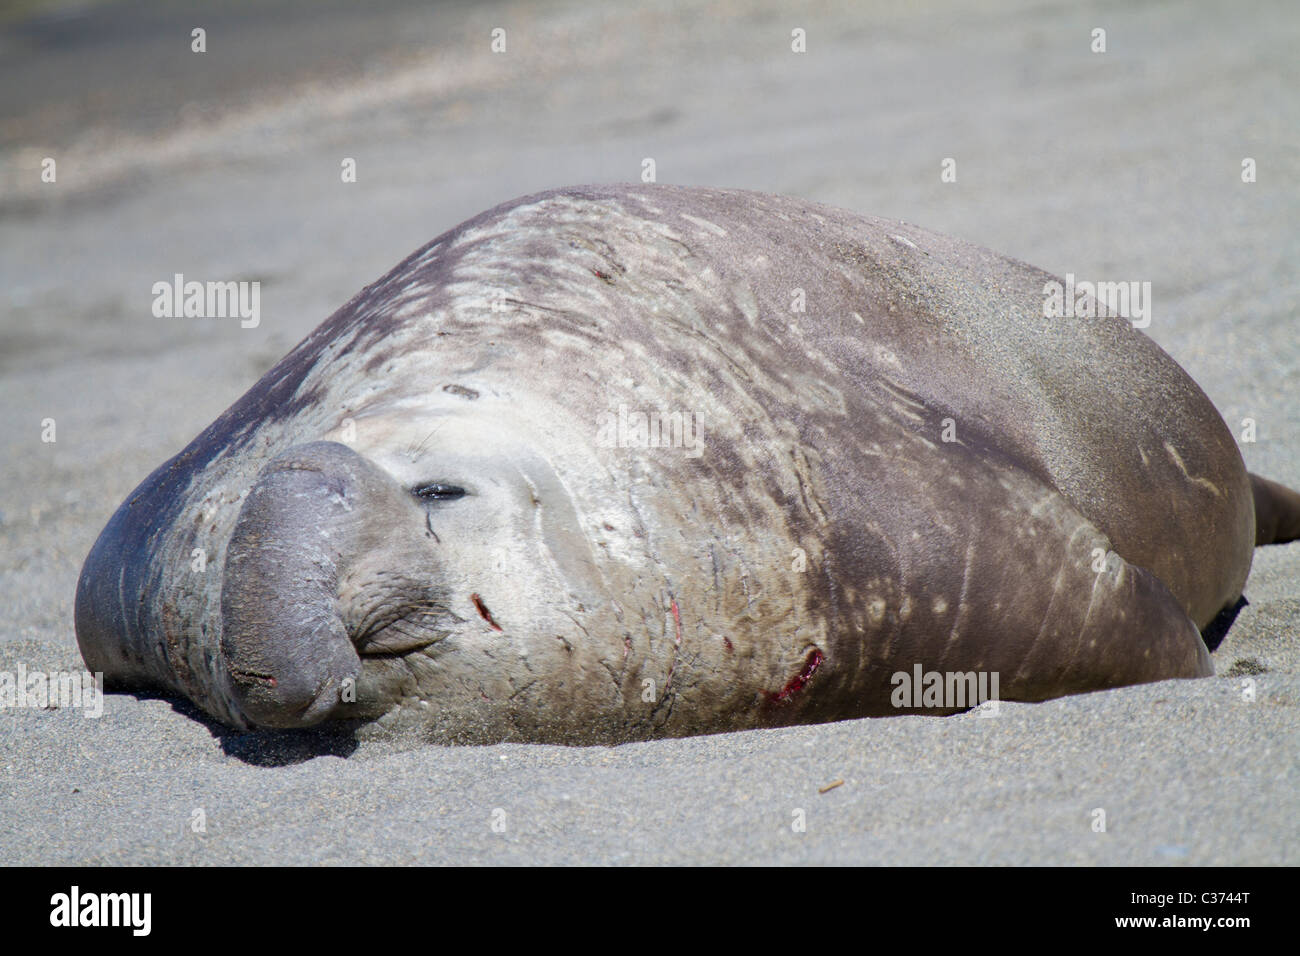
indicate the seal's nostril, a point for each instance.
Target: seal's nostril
{"x":282,"y":637}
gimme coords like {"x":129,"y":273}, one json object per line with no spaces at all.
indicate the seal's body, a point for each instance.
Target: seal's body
{"x":609,"y":463}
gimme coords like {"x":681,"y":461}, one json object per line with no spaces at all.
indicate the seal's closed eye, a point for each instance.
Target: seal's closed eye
{"x":437,"y":491}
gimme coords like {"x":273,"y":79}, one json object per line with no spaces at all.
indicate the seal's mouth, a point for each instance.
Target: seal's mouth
{"x":388,"y":613}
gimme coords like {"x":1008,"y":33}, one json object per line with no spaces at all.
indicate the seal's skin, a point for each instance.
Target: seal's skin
{"x":1090,"y":514}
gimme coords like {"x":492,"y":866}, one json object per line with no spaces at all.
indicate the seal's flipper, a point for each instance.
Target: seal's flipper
{"x":1277,"y":512}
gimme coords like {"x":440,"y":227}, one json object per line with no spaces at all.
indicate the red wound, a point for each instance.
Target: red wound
{"x":483,"y":612}
{"x":800,"y":680}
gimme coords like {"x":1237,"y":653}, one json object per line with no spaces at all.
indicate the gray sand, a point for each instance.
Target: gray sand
{"x":1123,"y":165}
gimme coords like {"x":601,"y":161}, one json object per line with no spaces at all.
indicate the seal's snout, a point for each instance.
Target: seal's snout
{"x":319,"y":518}
{"x":286,"y":650}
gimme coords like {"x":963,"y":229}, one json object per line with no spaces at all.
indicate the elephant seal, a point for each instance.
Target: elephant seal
{"x":619,"y":462}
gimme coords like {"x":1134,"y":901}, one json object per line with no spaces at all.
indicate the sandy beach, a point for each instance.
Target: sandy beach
{"x":1124,"y":164}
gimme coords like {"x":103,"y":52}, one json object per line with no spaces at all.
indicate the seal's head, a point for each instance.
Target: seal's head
{"x":331,"y":575}
{"x":330,"y":560}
